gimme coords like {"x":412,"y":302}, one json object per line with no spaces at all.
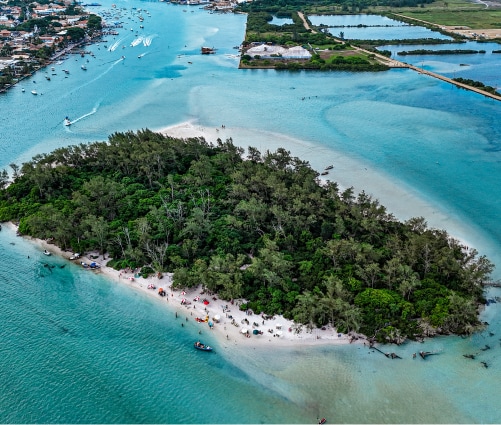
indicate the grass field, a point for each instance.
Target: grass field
{"x":444,"y":12}
{"x":475,"y":19}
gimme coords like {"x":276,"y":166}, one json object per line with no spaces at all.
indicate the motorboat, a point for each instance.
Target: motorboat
{"x":34,"y":92}
{"x":202,"y":347}
{"x":84,"y":67}
{"x":47,"y":253}
{"x":67,"y":122}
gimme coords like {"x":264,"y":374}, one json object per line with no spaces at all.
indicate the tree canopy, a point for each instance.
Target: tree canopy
{"x":252,"y":225}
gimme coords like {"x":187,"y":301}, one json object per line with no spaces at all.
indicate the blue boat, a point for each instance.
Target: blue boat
{"x":202,"y":347}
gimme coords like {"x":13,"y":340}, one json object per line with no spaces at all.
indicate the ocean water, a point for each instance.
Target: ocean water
{"x":77,"y":348}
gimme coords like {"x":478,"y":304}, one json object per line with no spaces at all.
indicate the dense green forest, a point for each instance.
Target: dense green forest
{"x":251,"y":225}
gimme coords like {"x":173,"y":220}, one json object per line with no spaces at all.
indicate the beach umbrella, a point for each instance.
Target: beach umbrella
{"x":278,"y":333}
{"x":183,"y":293}
{"x":217,"y":318}
{"x":244,"y":331}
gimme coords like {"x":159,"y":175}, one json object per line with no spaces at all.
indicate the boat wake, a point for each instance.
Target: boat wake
{"x":137,"y":41}
{"x":115,"y":45}
{"x":147,"y":40}
{"x":92,"y":112}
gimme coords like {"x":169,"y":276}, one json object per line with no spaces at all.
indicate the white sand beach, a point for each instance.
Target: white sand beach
{"x":228,"y":321}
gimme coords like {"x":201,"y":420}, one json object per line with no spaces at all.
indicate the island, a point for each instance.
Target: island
{"x":264,"y":227}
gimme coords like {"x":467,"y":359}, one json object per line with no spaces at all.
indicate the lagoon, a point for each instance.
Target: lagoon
{"x":78,"y":348}
{"x":373,"y":27}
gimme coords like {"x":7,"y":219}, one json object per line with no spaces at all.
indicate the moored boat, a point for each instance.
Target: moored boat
{"x":202,"y":347}
{"x":34,"y":92}
{"x":84,"y":67}
{"x":207,"y":50}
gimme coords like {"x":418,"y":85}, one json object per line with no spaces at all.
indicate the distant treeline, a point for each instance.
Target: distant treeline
{"x":274,"y":6}
{"x":439,"y":52}
{"x":253,"y":225}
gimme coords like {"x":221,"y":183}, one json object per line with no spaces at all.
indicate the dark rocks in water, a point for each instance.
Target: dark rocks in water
{"x":469,"y":356}
{"x":485,"y":364}
{"x":63,"y":266}
{"x":487,"y":347}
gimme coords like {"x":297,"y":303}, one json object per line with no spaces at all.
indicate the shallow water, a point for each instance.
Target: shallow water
{"x":78,"y":348}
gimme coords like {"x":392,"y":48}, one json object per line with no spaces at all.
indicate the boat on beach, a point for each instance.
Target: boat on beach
{"x":202,"y":347}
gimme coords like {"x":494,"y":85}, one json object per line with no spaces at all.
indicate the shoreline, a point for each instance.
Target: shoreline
{"x":283,"y":332}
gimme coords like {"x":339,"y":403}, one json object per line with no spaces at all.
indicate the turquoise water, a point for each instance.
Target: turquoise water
{"x":481,"y":66}
{"x":377,"y":28}
{"x":77,"y":348}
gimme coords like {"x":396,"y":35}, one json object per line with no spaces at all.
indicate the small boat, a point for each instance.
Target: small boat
{"x":322,"y":421}
{"x":324,"y":173}
{"x":47,"y":253}
{"x":67,"y":122}
{"x":23,"y":90}
{"x":207,"y":50}
{"x":34,"y":92}
{"x":202,"y":347}
{"x":330,"y":167}
{"x":84,"y":67}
